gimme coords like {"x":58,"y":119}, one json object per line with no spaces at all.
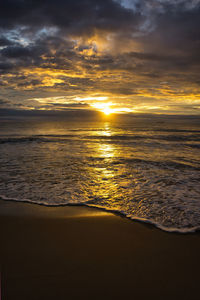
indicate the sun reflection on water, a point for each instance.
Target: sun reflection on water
{"x":104,"y":172}
{"x":105,"y":131}
{"x":106,"y":150}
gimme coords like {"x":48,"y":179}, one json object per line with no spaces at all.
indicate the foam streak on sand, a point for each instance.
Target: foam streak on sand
{"x":105,"y":210}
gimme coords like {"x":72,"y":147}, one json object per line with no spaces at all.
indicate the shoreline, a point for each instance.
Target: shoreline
{"x":77,"y":252}
{"x":192,"y":230}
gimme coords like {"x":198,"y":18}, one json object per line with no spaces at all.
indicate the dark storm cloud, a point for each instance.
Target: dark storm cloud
{"x":5,"y":67}
{"x":4,"y":42}
{"x":178,"y":30}
{"x":16,"y":52}
{"x":176,"y":25}
{"x":79,"y":15}
{"x":33,"y":21}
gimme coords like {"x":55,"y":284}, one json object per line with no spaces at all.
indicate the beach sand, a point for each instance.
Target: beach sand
{"x":84,"y":253}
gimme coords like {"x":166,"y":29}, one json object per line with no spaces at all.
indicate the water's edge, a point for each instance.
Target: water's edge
{"x":122,"y":214}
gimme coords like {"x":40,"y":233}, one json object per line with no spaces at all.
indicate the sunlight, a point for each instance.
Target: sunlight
{"x":107,"y":111}
{"x":104,"y":107}
{"x":106,"y":150}
{"x":107,"y":130}
{"x":110,"y":108}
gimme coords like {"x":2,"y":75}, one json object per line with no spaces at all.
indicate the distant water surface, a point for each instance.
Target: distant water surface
{"x":145,"y":168}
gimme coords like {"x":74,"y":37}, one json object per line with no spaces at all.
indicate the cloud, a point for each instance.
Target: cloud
{"x":4,"y":42}
{"x":3,"y":102}
{"x":76,"y":16}
{"x":123,"y":49}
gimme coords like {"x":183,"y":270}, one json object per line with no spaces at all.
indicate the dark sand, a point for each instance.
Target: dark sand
{"x":82,"y":253}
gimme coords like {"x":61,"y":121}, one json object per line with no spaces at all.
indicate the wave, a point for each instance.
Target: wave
{"x":160,"y":164}
{"x":30,"y":139}
{"x":107,"y":138}
{"x":185,"y":230}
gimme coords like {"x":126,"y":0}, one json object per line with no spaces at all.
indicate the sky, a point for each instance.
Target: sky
{"x":140,"y":56}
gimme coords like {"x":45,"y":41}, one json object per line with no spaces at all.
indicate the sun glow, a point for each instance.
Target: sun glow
{"x":107,"y":111}
{"x":104,"y":107}
{"x":109,"y":108}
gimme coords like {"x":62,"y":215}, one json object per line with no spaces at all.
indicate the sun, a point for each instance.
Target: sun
{"x":107,"y":111}
{"x":104,"y":108}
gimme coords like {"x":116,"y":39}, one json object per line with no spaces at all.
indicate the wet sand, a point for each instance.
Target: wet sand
{"x":84,"y":253}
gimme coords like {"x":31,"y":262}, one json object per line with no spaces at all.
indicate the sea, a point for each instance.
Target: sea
{"x":143,"y":167}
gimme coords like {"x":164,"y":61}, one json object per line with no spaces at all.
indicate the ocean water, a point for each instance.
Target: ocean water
{"x":146,"y":168}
